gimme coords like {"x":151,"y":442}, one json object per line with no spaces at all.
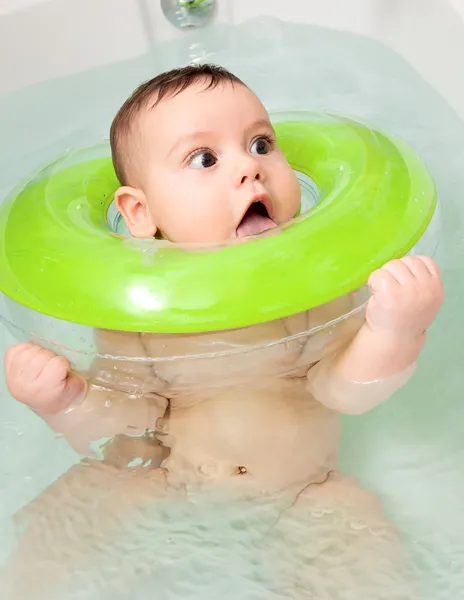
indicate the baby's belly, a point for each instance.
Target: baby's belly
{"x":269,"y":437}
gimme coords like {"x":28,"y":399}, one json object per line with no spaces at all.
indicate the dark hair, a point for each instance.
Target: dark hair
{"x":167,"y":84}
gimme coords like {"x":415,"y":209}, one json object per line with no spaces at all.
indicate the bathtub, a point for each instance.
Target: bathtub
{"x":65,"y":68}
{"x":404,"y":26}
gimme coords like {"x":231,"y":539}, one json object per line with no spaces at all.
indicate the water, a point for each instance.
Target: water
{"x":410,"y":450}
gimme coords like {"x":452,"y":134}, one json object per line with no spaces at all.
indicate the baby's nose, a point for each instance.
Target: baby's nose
{"x":250,"y":171}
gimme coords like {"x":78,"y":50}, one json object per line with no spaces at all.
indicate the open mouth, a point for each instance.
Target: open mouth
{"x":255,"y":220}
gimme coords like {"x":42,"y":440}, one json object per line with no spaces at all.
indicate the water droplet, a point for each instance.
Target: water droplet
{"x":358,"y":525}
{"x":207,"y":469}
{"x":377,"y":531}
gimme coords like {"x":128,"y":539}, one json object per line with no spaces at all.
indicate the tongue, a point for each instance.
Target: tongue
{"x":254,"y":223}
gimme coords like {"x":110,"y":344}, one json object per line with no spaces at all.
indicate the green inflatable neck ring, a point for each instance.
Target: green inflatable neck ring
{"x":60,"y":257}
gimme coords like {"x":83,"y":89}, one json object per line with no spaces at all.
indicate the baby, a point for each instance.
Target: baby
{"x":198,"y":162}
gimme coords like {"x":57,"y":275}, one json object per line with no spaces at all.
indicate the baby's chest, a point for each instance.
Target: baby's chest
{"x":247,"y":356}
{"x":223,"y":359}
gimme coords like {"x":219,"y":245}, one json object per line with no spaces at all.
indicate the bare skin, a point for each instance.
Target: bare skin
{"x":208,"y":427}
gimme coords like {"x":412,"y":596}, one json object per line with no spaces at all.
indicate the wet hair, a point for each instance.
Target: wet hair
{"x":150,"y":94}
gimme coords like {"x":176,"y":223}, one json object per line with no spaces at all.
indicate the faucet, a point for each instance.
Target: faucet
{"x":188,"y":13}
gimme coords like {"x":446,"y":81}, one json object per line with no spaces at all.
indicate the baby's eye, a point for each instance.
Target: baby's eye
{"x":261,"y":145}
{"x":203,"y":160}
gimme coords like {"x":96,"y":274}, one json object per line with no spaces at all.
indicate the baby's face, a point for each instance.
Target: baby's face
{"x":211,"y":169}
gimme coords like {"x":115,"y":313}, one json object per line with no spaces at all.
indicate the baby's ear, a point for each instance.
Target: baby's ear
{"x":132,"y":204}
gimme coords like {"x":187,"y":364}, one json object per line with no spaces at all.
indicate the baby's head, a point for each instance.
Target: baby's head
{"x":197,"y":159}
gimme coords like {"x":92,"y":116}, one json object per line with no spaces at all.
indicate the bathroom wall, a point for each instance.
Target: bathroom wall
{"x":43,"y":39}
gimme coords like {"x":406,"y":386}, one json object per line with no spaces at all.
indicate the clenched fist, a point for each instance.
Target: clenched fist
{"x":406,"y":296}
{"x":41,"y":379}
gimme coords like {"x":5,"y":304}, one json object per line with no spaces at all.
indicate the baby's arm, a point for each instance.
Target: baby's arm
{"x":406,"y":297}
{"x":117,"y":399}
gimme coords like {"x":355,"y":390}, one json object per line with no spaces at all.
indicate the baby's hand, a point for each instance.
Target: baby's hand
{"x":41,"y":379}
{"x":407,"y":295}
